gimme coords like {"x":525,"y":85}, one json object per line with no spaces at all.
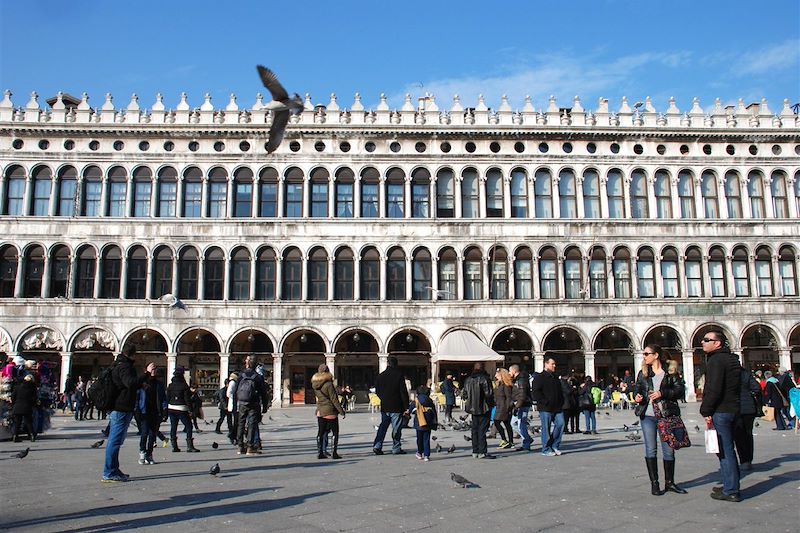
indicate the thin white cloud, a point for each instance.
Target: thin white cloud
{"x":779,"y":56}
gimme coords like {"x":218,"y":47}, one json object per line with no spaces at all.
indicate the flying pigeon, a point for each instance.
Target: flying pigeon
{"x":214,"y":445}
{"x":98,"y":443}
{"x":214,"y":469}
{"x":451,"y":449}
{"x":23,"y":454}
{"x":467,"y":438}
{"x":460,"y":480}
{"x":173,"y":301}
{"x":438,"y":448}
{"x":281,"y":105}
{"x":433,"y":437}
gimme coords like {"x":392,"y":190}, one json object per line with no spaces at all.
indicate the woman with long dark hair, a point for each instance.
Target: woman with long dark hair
{"x":654,"y":386}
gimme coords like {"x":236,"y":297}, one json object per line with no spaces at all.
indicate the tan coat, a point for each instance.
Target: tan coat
{"x":327,"y":399}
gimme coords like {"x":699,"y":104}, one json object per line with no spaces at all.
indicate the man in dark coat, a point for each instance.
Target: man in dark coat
{"x":720,"y":407}
{"x":127,"y":386}
{"x":549,"y":398}
{"x":392,"y":391}
{"x":478,"y":401}
{"x":448,"y":388}
{"x":521,"y":394}
{"x":252,"y":401}
{"x":23,"y":401}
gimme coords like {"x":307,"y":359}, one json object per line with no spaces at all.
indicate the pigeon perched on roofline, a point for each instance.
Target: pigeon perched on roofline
{"x":281,"y":105}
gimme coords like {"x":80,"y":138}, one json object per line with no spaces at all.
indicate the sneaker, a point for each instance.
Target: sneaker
{"x":502,"y":444}
{"x":486,"y":456}
{"x":124,"y":476}
{"x":726,"y":497}
{"x":418,"y":456}
{"x":241,"y":451}
{"x":716,"y":489}
{"x":426,"y":459}
{"x":377,"y":451}
{"x":113,"y":479}
{"x":508,"y":446}
{"x":399,"y":452}
{"x":549,"y":453}
{"x":150,"y":460}
{"x":557,"y":451}
{"x":253,"y":451}
{"x":142,"y":458}
{"x":522,"y":449}
{"x":474,"y":455}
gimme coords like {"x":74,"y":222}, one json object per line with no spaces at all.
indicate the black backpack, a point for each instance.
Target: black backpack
{"x":103,"y":392}
{"x":246,"y":389}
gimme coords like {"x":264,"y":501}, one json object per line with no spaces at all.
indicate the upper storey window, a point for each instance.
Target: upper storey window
{"x":445,"y":194}
{"x":519,"y":194}
{"x":708,"y":188}
{"x":67,"y":192}
{"x":686,"y":194}
{"x":142,"y":191}
{"x":42,"y":185}
{"x":469,"y":194}
{"x":494,"y":194}
{"x":243,"y":192}
{"x":733,"y":194}
{"x":591,"y":194}
{"x":92,"y":192}
{"x":543,"y":193}
{"x":663,"y":194}
{"x":293,"y":193}
{"x":268,"y":183}
{"x":167,"y":192}
{"x":395,"y":193}
{"x":320,"y":180}
{"x":369,"y":193}
{"x":567,"y":194}
{"x":780,"y":205}
{"x":192,"y":192}
{"x":639,"y":203}
{"x":420,"y":193}
{"x":117,"y":192}
{"x":15,"y":191}
{"x":616,"y":195}
{"x":345,"y":202}
{"x":217,"y":193}
{"x":755,"y":189}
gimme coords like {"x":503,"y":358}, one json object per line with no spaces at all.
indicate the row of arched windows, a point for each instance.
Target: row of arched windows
{"x":369,"y":274}
{"x":394,"y":194}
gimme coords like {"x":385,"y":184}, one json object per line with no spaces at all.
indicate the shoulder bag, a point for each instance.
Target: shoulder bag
{"x":671,"y":429}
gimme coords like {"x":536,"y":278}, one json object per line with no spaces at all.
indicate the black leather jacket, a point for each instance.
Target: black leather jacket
{"x":671,"y":390}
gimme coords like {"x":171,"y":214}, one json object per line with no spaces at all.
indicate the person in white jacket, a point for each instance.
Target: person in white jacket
{"x":233,"y":380}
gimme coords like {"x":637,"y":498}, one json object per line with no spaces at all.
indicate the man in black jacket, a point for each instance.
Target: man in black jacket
{"x":478,"y":401}
{"x":546,"y":392}
{"x":521,"y":395}
{"x":392,"y":391}
{"x":127,"y":384}
{"x":252,"y":401}
{"x":720,"y":407}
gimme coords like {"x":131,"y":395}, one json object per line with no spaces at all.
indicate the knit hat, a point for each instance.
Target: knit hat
{"x":323,"y":368}
{"x":178,"y":371}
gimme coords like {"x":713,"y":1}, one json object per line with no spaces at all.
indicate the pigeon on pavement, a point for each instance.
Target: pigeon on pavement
{"x":625,"y":427}
{"x":697,"y":429}
{"x":214,"y":469}
{"x":98,"y":443}
{"x":451,"y":449}
{"x":281,"y":105}
{"x":433,"y":437}
{"x":635,"y":423}
{"x":460,"y":480}
{"x":23,"y":454}
{"x":438,"y":448}
{"x":214,"y":445}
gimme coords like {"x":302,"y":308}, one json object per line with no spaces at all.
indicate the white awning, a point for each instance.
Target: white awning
{"x":463,"y":346}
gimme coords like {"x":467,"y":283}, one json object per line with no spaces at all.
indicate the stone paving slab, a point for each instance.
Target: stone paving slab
{"x":599,"y":484}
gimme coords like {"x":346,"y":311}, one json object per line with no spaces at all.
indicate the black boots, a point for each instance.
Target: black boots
{"x":652,"y":471}
{"x":336,"y":446}
{"x":174,"y":441}
{"x":669,"y":478}
{"x":190,"y":446}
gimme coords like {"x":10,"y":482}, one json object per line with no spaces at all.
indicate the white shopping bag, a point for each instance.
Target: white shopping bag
{"x":712,"y":444}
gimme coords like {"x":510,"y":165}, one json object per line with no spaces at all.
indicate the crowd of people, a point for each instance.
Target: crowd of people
{"x":27,"y":397}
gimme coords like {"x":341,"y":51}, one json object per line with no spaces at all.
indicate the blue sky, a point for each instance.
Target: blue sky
{"x":595,"y":48}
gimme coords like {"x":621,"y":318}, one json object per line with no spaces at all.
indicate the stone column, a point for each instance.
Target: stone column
{"x":330,"y":360}
{"x":434,"y":373}
{"x":172,"y":358}
{"x":785,"y":358}
{"x":638,"y":358}
{"x":383,"y":361}
{"x":538,"y":361}
{"x":66,"y":364}
{"x":588,"y":364}
{"x":407,"y":197}
{"x":688,"y":375}
{"x":277,"y":380}
{"x":224,"y":361}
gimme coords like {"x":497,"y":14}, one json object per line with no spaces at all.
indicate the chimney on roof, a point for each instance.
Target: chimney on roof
{"x":69,"y":101}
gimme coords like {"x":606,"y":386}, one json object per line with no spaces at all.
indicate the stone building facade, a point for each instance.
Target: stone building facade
{"x":376,"y":233}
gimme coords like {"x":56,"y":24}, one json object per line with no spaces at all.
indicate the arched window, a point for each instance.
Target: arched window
{"x":543,"y":194}
{"x":797,"y":191}
{"x":639,"y":203}
{"x":780,"y":205}
{"x":716,"y":272}
{"x":293,"y":193}
{"x":162,"y":272}
{"x":318,"y":274}
{"x":755,"y":189}
{"x":214,"y":274}
{"x":395,"y":193}
{"x":345,"y":182}
{"x":764,"y":271}
{"x":110,"y":272}
{"x":598,"y":284}
{"x":370,"y":181}
{"x":421,"y":275}
{"x":142,"y":191}
{"x":42,"y":186}
{"x":786,"y":268}
{"x":266,"y":272}
{"x":519,"y":193}
{"x":67,"y":191}
{"x":663,"y":194}
{"x":669,"y":273}
{"x":708,"y":188}
{"x":92,"y":192}
{"x":292,"y":273}
{"x":268,"y":182}
{"x":320,"y":180}
{"x":621,"y":268}
{"x":217,"y":193}
{"x":645,"y":273}
{"x":59,"y":271}
{"x":694,"y":273}
{"x":448,"y":274}
{"x":136,"y":282}
{"x":243,"y":193}
{"x":733,"y":194}
{"x":573,"y":278}
{"x":34,"y":272}
{"x":343,"y":270}
{"x":87,"y":264}
{"x":591,"y":194}
{"x":167,"y":192}
{"x":548,"y":273}
{"x":686,"y":194}
{"x":188,"y":273}
{"x":445,"y":194}
{"x":469,"y":194}
{"x":741,"y":272}
{"x":370,"y":274}
{"x":616,"y":194}
{"x":15,"y":191}
{"x":498,"y":268}
{"x":117,"y":192}
{"x":420,"y":193}
{"x":568,"y":196}
{"x":9,"y":261}
{"x":396,"y":274}
{"x":523,"y":274}
{"x":192,"y":192}
{"x":473,"y":270}
{"x":494,"y":194}
{"x":240,"y":274}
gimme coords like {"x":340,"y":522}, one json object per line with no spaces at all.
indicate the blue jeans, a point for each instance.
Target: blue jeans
{"x":651,"y":438}
{"x":118,"y":423}
{"x":728,"y":465}
{"x":396,"y":420}
{"x":551,"y":441}
{"x":591,"y":420}
{"x":424,"y":442}
{"x":520,"y":423}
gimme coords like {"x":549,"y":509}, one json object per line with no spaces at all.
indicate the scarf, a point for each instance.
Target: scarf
{"x":421,"y":410}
